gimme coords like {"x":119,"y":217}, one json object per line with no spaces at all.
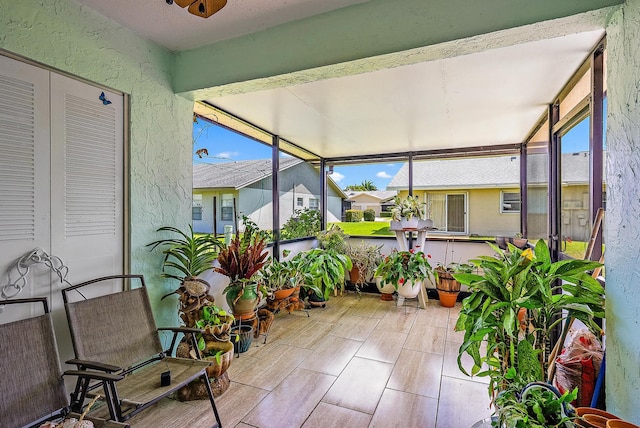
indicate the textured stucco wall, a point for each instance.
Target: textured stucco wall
{"x":67,"y":37}
{"x":622,"y":221}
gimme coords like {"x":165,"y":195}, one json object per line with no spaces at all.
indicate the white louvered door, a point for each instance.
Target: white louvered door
{"x":61,"y":182}
{"x":86,"y":178}
{"x":24,"y":170}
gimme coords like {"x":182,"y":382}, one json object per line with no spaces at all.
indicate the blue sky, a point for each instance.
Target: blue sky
{"x":223,"y":145}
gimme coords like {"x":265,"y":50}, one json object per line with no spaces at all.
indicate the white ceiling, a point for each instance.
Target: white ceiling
{"x":177,"y":29}
{"x":490,"y":97}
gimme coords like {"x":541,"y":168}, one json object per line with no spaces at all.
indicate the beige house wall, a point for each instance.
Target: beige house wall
{"x":364,"y":201}
{"x":483,"y":211}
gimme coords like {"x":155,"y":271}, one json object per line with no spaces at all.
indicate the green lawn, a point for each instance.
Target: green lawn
{"x":366,"y":228}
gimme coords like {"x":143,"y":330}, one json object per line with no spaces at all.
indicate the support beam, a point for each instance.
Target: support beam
{"x":596,"y":133}
{"x":275,"y":195}
{"x":523,"y":191}
{"x":323,"y":194}
{"x":554,"y":184}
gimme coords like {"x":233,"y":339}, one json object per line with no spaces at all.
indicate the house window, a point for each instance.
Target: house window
{"x":196,"y":209}
{"x":196,"y":213}
{"x":510,"y":202}
{"x":448,"y":211}
{"x":313,"y":204}
{"x":227,"y":207}
{"x":299,"y":202}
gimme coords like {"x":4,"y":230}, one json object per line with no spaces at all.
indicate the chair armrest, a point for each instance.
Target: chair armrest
{"x":94,"y":365}
{"x":86,"y":374}
{"x":181,"y":329}
{"x":190,"y":334}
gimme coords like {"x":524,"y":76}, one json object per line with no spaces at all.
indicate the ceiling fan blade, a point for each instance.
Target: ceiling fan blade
{"x":183,"y":3}
{"x":206,"y":8}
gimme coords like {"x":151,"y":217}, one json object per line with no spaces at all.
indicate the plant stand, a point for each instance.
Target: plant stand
{"x":418,"y":245}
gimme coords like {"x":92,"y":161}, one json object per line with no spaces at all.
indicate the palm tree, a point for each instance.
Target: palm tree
{"x":366,"y":185}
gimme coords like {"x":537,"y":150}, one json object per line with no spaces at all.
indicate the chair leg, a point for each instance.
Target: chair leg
{"x":207,"y":385}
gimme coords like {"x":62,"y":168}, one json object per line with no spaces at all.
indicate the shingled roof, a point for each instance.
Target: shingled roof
{"x":236,"y":174}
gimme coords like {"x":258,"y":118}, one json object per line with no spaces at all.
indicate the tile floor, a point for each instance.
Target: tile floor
{"x":359,"y":362}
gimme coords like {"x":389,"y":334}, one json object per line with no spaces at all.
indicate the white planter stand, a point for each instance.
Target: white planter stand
{"x":403,"y":245}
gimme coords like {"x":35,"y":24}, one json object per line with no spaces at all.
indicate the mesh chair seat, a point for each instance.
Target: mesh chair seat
{"x":117,"y":332}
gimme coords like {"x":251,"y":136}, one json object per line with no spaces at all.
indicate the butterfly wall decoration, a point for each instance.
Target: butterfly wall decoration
{"x":104,"y":99}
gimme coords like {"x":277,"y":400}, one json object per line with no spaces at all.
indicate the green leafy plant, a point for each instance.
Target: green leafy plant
{"x":278,"y":275}
{"x":365,"y":259}
{"x":187,"y":255}
{"x":402,"y":266}
{"x":305,"y":222}
{"x":408,"y":207}
{"x":537,"y":405}
{"x":324,"y":270}
{"x":514,"y":304}
{"x":353,"y":216}
{"x":333,"y":239}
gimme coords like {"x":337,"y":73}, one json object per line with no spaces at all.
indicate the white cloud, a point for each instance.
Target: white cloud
{"x":383,"y":174}
{"x":226,"y":155}
{"x":337,"y":177}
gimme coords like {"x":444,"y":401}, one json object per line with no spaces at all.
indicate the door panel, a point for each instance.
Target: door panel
{"x":86,"y":177}
{"x":24,"y":175}
{"x":456,"y":213}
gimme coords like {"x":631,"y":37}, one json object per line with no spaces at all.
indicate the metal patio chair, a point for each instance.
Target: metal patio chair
{"x":31,"y":384}
{"x":117,"y":333}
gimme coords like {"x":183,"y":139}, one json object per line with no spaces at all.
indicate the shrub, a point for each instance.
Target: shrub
{"x":305,"y":222}
{"x":353,"y":216}
{"x":369,"y":215}
{"x":385,"y":214}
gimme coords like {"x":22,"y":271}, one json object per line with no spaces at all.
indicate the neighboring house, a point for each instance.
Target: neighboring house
{"x":481,"y":196}
{"x":246,"y":185}
{"x":376,"y":200}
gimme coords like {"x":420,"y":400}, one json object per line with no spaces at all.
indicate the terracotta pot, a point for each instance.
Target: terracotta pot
{"x":354,"y":275}
{"x":409,"y":290}
{"x":283,"y":294}
{"x":595,"y":421}
{"x":386,"y":289}
{"x":619,"y":423}
{"x":581,"y":411}
{"x":447,"y":298}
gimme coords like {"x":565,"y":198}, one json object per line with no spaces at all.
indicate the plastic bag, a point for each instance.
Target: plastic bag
{"x":578,"y":365}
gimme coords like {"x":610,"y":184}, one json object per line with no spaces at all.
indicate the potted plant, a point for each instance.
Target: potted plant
{"x":408,"y":211}
{"x":448,"y":287}
{"x":240,"y":261}
{"x":537,"y":405}
{"x":185,"y":257}
{"x":280,"y":279}
{"x":324,"y":271}
{"x":333,"y":239}
{"x":509,"y":351}
{"x":365,"y":259}
{"x":406,"y":270}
